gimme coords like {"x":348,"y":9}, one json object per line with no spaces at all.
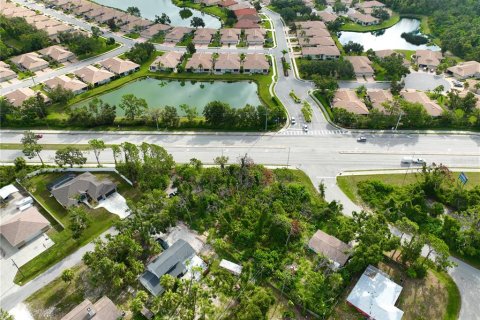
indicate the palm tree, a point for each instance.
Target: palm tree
{"x":284,"y":52}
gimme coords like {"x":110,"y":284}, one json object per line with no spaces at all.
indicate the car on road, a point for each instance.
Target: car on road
{"x":305,"y":128}
{"x":362,"y":139}
{"x":293,"y":121}
{"x":412,"y":160}
{"x":38,"y":136}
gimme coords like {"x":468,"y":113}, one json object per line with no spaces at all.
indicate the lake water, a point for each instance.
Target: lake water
{"x":150,"y":8}
{"x":388,"y":38}
{"x":160,"y":93}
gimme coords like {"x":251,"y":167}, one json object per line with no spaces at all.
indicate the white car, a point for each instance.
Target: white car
{"x":411,"y":160}
{"x":293,"y":121}
{"x":305,"y":128}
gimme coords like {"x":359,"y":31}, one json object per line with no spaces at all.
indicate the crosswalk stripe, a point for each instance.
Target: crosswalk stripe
{"x":296,"y":132}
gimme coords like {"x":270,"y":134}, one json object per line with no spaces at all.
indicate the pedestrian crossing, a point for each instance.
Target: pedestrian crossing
{"x":300,"y":132}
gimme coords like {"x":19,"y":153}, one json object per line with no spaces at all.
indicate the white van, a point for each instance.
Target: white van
{"x":411,"y":160}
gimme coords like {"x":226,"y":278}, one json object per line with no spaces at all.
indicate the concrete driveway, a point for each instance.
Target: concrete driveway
{"x":115,"y":204}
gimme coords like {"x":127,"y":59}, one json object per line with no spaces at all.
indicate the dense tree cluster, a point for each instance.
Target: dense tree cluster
{"x":140,"y":52}
{"x":81,"y":44}
{"x":17,"y":37}
{"x":438,"y":205}
{"x":339,"y":69}
{"x":291,"y":10}
{"x":96,"y":113}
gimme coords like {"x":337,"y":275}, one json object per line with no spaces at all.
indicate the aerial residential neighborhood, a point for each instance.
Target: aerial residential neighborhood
{"x":239,"y":159}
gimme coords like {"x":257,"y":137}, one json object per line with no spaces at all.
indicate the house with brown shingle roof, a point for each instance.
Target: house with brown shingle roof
{"x":316,"y":41}
{"x":247,"y":13}
{"x":335,"y":250}
{"x":362,"y":66}
{"x":256,"y":63}
{"x":230,"y":36}
{"x":167,"y":62}
{"x":94,"y":76}
{"x":57,"y":53}
{"x":103,"y":309}
{"x":227,"y":63}
{"x":321,"y":52}
{"x":24,"y":227}
{"x":47,"y":23}
{"x":96,"y":13}
{"x":72,"y":84}
{"x":348,"y":100}
{"x":465,"y":70}
{"x":432,"y":108}
{"x":255,"y":37}
{"x":204,"y":35}
{"x":176,"y":34}
{"x":226,"y":3}
{"x":104,"y":14}
{"x":119,"y":66}
{"x":155,"y":29}
{"x":83,"y":8}
{"x":378,"y":98}
{"x":38,"y":18}
{"x":209,"y":3}
{"x":17,"y":97}
{"x":200,"y":62}
{"x":427,"y":59}
{"x":30,"y":61}
{"x":137,"y":25}
{"x":5,"y":72}
{"x":311,"y":33}
{"x":54,"y":31}
{"x":370,"y":5}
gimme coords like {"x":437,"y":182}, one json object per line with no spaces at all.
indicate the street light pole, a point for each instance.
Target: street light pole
{"x":16,"y":266}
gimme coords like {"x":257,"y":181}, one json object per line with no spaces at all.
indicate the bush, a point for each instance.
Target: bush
{"x":417,"y":271}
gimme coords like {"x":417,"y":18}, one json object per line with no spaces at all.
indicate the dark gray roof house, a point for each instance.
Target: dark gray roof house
{"x":84,"y":185}
{"x":172,"y":261}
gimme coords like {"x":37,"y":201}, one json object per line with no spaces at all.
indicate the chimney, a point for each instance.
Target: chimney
{"x":91,"y":312}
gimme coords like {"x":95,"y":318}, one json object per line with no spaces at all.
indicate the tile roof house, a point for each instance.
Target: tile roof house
{"x":74,"y":85}
{"x":255,"y":37}
{"x":465,"y":70}
{"x":245,"y":24}
{"x":54,"y":31}
{"x":47,"y":23}
{"x":83,"y":8}
{"x":94,"y":76}
{"x":362,"y":66}
{"x":432,"y":108}
{"x":204,"y":35}
{"x":5,"y":72}
{"x":227,"y":3}
{"x":83,"y":186}
{"x":168,"y":61}
{"x":247,"y":13}
{"x":17,"y":97}
{"x":176,"y":34}
{"x":311,"y":25}
{"x":363,"y":19}
{"x":57,"y":53}
{"x":427,"y":58}
{"x":313,"y":32}
{"x":335,"y":250}
{"x":24,"y":227}
{"x":321,"y":52}
{"x":103,"y":309}
{"x":256,"y":63}
{"x":327,"y":16}
{"x":375,"y":295}
{"x":230,"y":36}
{"x":119,"y":66}
{"x":369,"y":4}
{"x":378,"y":97}
{"x":348,"y":100}
{"x":200,"y":62}
{"x":154,"y":30}
{"x":210,"y":2}
{"x":316,"y":41}
{"x":238,"y":6}
{"x":172,"y":261}
{"x":227,"y":63}
{"x":30,"y":61}
{"x":37,"y":18}
{"x":136,"y":26}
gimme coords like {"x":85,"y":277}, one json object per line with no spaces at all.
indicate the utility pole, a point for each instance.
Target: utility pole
{"x":398,"y":121}
{"x":16,"y":266}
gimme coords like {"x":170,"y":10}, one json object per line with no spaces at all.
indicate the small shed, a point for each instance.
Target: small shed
{"x":232,"y":267}
{"x":6,"y":191}
{"x":332,"y":248}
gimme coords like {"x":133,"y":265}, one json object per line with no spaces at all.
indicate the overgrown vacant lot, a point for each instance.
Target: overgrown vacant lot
{"x":100,"y":221}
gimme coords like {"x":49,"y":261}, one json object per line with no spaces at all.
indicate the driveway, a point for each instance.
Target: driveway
{"x":425,"y":81}
{"x":115,"y":204}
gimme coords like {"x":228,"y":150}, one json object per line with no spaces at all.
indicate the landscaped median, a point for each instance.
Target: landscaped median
{"x":100,"y":221}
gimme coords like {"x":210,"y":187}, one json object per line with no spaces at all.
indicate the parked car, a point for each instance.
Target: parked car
{"x":305,"y":128}
{"x":457,"y":84}
{"x":38,"y":136}
{"x":293,"y":121}
{"x":362,"y":139}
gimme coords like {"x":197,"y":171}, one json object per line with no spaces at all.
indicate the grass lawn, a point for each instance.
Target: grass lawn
{"x":435,"y":297}
{"x":103,"y":48}
{"x":407,"y":53}
{"x":348,"y":184}
{"x":351,"y":26}
{"x":266,"y":24}
{"x":100,"y":221}
{"x":133,"y":35}
{"x":215,"y":11}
